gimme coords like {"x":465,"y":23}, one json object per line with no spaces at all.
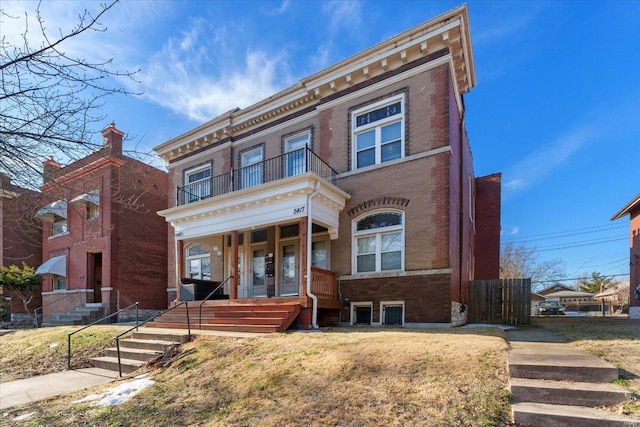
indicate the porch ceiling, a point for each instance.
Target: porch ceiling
{"x":267,"y":204}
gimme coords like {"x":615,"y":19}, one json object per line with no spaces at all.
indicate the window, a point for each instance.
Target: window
{"x":361,"y":313}
{"x":319,"y":254}
{"x":379,"y":242}
{"x":197,"y":183}
{"x":59,"y":283}
{"x":59,"y":226}
{"x":93,"y":211}
{"x":378,"y":132}
{"x":295,"y":148}
{"x":198,"y":263}
{"x":251,"y":164}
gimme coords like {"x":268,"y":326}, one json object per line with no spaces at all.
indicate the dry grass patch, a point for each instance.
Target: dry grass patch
{"x":29,"y":352}
{"x":336,"y":377}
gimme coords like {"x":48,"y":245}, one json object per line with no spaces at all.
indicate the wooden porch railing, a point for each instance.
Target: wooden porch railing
{"x":324,"y":284}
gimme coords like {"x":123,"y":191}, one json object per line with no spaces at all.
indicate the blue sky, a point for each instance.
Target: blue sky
{"x":555,"y":108}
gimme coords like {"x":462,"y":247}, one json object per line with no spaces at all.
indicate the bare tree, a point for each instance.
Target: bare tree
{"x":50,"y":101}
{"x":520,"y":261}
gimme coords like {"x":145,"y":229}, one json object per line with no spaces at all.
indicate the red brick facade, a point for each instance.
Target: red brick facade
{"x":20,"y":237}
{"x":633,"y":210}
{"x":431,"y":185}
{"x":113,"y":257}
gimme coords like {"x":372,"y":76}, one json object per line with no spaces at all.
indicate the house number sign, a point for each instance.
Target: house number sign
{"x":299,"y":210}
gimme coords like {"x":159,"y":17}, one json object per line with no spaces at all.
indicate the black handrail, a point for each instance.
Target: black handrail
{"x":117,"y":338}
{"x":35,"y":312}
{"x":292,"y":163}
{"x":94,"y":323}
{"x":207,"y":297}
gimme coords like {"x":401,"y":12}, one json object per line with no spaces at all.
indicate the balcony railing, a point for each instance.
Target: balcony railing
{"x":286,"y":165}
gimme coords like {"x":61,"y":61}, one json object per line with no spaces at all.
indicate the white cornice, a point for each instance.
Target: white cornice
{"x":449,"y":30}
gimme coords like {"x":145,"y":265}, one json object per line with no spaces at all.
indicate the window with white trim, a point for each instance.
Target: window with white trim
{"x":252,"y":168}
{"x":59,"y":226}
{"x":59,"y":283}
{"x":198,"y":262}
{"x":296,"y":153}
{"x":378,"y":132}
{"x":197,"y":183}
{"x":379,"y":242}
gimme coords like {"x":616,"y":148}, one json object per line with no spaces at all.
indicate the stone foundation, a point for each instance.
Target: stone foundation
{"x":458,"y":314}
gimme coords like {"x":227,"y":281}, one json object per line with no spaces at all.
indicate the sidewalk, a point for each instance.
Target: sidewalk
{"x":20,"y":392}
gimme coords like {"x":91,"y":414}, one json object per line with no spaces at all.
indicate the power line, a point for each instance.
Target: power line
{"x":570,"y":245}
{"x":563,"y":234}
{"x":577,"y":278}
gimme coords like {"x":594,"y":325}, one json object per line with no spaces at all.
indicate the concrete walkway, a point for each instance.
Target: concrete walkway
{"x":20,"y":392}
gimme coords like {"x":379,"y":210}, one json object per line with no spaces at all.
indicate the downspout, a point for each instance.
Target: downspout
{"x":461,"y":208}
{"x":314,"y":298}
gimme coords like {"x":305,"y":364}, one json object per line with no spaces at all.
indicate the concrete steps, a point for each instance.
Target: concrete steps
{"x":543,"y":414}
{"x":556,"y":384}
{"x":135,"y":352}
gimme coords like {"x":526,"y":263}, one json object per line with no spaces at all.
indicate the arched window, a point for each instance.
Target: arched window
{"x":379,"y":242}
{"x":198,"y":262}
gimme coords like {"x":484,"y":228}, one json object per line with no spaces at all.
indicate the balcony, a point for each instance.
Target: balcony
{"x":287,"y":165}
{"x":281,"y":189}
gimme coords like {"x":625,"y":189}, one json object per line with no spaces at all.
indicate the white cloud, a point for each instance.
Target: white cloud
{"x":542,"y":163}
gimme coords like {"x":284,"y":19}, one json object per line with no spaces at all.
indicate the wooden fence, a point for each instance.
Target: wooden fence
{"x":505,"y":301}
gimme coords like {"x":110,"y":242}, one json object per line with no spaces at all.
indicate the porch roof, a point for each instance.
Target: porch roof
{"x":267,"y":204}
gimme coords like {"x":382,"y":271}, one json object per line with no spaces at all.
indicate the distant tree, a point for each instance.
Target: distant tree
{"x":520,"y":261}
{"x":22,"y":282}
{"x":50,"y":98}
{"x":596,"y":283}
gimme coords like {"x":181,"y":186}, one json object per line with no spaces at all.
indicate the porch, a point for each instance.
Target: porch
{"x":274,"y":314}
{"x":264,"y":230}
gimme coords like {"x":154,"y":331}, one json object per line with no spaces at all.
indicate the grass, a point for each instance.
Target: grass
{"x":339,"y":377}
{"x":29,"y":352}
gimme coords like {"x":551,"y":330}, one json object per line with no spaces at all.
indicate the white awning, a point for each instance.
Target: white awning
{"x":57,"y":208}
{"x":91,"y":197}
{"x":56,"y":265}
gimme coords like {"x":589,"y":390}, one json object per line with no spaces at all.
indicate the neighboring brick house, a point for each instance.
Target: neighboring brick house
{"x":101,"y":233}
{"x":351,"y":194}
{"x":633,"y":210}
{"x":20,"y":240}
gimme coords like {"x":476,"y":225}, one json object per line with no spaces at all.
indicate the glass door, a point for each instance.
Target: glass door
{"x":295,"y":148}
{"x":251,"y":164}
{"x":258,"y":282}
{"x":289,"y":284}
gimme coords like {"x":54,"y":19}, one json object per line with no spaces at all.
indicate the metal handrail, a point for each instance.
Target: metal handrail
{"x":35,"y":312}
{"x":269,"y":170}
{"x":207,"y":297}
{"x":94,"y":323}
{"x":117,"y":338}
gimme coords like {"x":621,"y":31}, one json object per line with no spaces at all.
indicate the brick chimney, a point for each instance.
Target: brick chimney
{"x":112,"y":138}
{"x":49,"y":167}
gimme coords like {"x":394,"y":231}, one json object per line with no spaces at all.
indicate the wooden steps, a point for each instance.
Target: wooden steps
{"x":233,"y":317}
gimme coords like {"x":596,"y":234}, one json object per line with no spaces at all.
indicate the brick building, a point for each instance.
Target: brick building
{"x":101,"y":232}
{"x":351,"y":194}
{"x":633,"y":210}
{"x":20,"y":240}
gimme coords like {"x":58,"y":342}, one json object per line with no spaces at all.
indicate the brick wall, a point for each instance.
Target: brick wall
{"x":488,"y":196}
{"x":426,"y":297}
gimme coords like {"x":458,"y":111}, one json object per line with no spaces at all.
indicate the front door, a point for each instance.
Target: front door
{"x":94,"y":275}
{"x":289,"y":284}
{"x":258,"y":285}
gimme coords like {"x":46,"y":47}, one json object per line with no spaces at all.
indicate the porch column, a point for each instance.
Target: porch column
{"x":179,"y":248}
{"x":303,"y":255}
{"x":233,"y":293}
